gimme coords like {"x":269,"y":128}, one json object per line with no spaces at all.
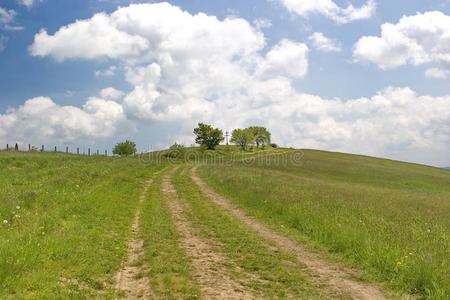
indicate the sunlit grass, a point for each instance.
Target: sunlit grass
{"x":391,"y":219}
{"x":64,"y":222}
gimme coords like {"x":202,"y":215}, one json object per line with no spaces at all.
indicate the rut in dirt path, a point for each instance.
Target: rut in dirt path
{"x":128,"y":278}
{"x":334,"y":274}
{"x":206,"y":262}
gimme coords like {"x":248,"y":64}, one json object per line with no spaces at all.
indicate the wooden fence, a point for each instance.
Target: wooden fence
{"x":76,"y":150}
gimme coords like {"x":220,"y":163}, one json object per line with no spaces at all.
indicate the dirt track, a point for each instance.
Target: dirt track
{"x":334,"y":274}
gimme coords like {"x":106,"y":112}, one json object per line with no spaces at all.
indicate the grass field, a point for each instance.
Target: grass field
{"x":66,"y":224}
{"x":388,"y":218}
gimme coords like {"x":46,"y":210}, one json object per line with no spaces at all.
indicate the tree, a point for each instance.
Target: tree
{"x":242,"y":137}
{"x":262,"y":136}
{"x":125,"y":148}
{"x":208,"y":136}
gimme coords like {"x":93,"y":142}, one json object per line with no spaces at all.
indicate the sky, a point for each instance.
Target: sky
{"x":368,"y":77}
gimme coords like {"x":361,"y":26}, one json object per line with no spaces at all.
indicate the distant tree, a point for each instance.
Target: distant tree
{"x":261,"y":134}
{"x":125,"y":148}
{"x":208,"y":136}
{"x":273,"y":145}
{"x":175,"y":151}
{"x":242,"y":138}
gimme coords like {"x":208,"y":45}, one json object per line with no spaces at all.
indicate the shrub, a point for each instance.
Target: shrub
{"x":125,"y":148}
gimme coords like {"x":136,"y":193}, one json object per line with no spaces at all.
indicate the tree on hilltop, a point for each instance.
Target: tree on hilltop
{"x":261,"y":134}
{"x":208,"y":136}
{"x":125,"y":148}
{"x":242,"y":138}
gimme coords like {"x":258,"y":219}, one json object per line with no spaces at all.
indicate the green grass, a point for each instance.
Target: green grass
{"x":168,"y":267}
{"x":278,"y":274}
{"x":388,"y":218}
{"x":64,"y":221}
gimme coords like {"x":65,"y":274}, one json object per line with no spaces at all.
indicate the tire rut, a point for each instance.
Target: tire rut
{"x":128,"y":278}
{"x":334,"y":274}
{"x":214,"y":282}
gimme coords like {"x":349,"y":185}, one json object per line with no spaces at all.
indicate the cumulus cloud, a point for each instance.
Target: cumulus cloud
{"x":111,"y":93}
{"x":262,"y":23}
{"x":323,"y":43}
{"x":186,"y":68}
{"x":416,"y":40}
{"x":287,"y":58}
{"x":110,"y":71}
{"x":6,"y":16}
{"x":437,"y":73}
{"x":330,"y":9}
{"x":40,"y":120}
{"x":29,"y":3}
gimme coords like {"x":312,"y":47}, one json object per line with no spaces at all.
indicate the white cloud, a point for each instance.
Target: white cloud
{"x":437,"y":73}
{"x":40,"y":120}
{"x":111,"y":93}
{"x":415,"y":40}
{"x":110,"y":71}
{"x":330,"y":9}
{"x":6,"y":16}
{"x":91,"y":39}
{"x":262,"y":23}
{"x":199,"y":68}
{"x":287,"y":58}
{"x":323,"y":43}
{"x":29,"y":3}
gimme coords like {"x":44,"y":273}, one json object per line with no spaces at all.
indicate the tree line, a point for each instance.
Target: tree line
{"x":210,"y":137}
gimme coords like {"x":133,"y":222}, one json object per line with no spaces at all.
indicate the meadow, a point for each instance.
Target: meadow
{"x":66,"y":224}
{"x":388,"y":218}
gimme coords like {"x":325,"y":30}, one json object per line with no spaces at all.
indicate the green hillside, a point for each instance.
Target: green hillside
{"x":68,"y":222}
{"x":389,"y":218}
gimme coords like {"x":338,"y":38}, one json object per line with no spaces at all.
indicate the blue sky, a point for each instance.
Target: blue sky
{"x":335,"y":99}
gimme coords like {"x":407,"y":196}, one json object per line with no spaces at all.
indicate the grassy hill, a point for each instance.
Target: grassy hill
{"x":389,"y":218}
{"x":66,"y":219}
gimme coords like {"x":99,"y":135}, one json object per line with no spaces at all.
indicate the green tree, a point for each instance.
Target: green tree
{"x":261,"y":134}
{"x":208,"y":136}
{"x":242,"y":138}
{"x":125,"y":148}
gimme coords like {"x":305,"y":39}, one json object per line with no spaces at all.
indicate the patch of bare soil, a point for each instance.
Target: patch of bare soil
{"x":129,"y":279}
{"x":336,"y":275}
{"x":206,"y":263}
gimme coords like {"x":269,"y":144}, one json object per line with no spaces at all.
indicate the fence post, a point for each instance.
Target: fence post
{"x":7,"y":147}
{"x":89,"y":151}
{"x":55,"y":148}
{"x":29,"y":147}
{"x":106,"y":152}
{"x":67,"y":149}
{"x":78,"y":151}
{"x":42,"y":149}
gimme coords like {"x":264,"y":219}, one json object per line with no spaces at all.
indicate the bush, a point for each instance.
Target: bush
{"x":125,"y":148}
{"x":175,"y":151}
{"x":208,"y":136}
{"x":273,"y":145}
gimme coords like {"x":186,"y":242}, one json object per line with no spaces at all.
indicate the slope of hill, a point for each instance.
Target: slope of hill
{"x":387,"y":217}
{"x":191,"y":224}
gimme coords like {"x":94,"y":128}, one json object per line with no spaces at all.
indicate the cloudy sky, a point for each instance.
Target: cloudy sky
{"x":360,"y":76}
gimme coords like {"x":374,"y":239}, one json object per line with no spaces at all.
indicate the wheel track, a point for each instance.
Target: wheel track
{"x":214,"y":282}
{"x":334,"y":274}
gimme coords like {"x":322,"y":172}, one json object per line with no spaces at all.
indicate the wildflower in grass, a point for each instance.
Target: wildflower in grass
{"x":17,"y":207}
{"x":5,"y":221}
{"x":399,"y":263}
